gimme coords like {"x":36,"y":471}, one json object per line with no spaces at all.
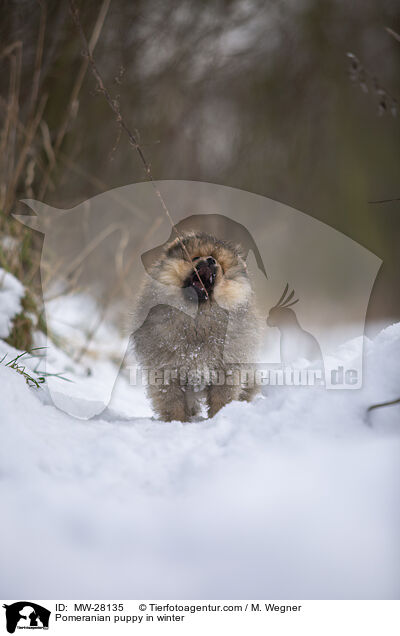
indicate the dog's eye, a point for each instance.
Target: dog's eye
{"x":196,"y":258}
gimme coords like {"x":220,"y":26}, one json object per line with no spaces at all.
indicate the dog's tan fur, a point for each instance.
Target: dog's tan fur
{"x":169,"y":339}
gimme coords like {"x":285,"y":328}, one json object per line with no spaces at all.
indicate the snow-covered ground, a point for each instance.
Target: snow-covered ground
{"x":293,"y":496}
{"x":11,"y":294}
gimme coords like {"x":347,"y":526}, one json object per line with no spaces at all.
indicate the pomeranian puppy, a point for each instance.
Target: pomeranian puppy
{"x":198,"y":324}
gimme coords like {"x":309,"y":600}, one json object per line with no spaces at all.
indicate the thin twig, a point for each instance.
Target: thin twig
{"x":378,"y":406}
{"x":394,"y":35}
{"x":115,"y":107}
{"x":362,"y":76}
{"x":385,"y":200}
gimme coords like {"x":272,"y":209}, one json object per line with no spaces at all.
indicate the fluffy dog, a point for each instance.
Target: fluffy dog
{"x":200,"y":325}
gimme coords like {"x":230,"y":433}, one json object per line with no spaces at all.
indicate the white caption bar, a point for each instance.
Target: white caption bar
{"x":280,"y":618}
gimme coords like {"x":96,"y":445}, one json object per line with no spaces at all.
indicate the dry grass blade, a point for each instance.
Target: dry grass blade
{"x":33,"y":378}
{"x":31,"y":132}
{"x":47,"y":141}
{"x":71,"y":108}
{"x":9,"y":133}
{"x":38,"y":59}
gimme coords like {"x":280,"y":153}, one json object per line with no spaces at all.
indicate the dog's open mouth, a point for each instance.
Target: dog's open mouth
{"x":202,"y":278}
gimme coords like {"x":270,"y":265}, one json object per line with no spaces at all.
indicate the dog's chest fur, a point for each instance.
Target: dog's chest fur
{"x":170,"y":337}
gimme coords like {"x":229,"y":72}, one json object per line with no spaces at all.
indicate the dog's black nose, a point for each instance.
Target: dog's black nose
{"x":203,"y":277}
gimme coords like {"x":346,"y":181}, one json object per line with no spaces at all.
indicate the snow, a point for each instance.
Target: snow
{"x":77,"y":322}
{"x":72,"y":317}
{"x":11,"y":294}
{"x":293,"y":496}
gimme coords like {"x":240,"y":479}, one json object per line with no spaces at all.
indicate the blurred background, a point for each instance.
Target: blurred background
{"x":256,"y":95}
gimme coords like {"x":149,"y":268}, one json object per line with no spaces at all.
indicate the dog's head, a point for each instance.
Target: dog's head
{"x":205,"y":269}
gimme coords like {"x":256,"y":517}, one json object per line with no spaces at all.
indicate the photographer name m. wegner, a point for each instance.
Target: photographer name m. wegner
{"x":273,"y":375}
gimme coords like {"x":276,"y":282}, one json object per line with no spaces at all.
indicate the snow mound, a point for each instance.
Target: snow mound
{"x":292,"y":496}
{"x":11,"y":294}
